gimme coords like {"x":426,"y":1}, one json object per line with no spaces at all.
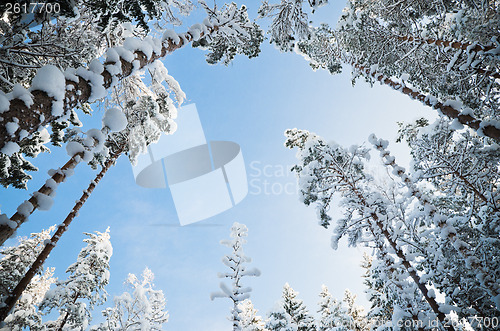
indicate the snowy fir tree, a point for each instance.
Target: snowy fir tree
{"x":236,"y":262}
{"x":25,"y":314}
{"x":279,"y":320}
{"x":142,"y":309}
{"x":248,"y":319}
{"x":332,"y":316}
{"x":75,"y":297}
{"x":16,"y":260}
{"x":297,"y":310}
{"x":407,"y":231}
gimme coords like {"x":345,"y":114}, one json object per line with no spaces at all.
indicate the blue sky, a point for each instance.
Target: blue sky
{"x":250,"y":102}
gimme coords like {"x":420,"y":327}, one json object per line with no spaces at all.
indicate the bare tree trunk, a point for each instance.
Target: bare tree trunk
{"x":448,"y":110}
{"x":39,"y":114}
{"x":6,"y":231}
{"x":23,"y":283}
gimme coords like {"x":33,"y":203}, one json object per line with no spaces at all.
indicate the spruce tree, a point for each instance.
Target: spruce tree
{"x":297,"y":310}
{"x":249,"y":320}
{"x":333,"y":317}
{"x":75,"y":297}
{"x":141,"y":309}
{"x":236,"y":262}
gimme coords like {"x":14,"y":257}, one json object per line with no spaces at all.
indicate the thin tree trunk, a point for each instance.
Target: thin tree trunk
{"x":466,"y":253}
{"x":23,"y":283}
{"x":448,"y":110}
{"x":377,"y":223}
{"x":39,"y":114}
{"x":65,"y":319}
{"x":6,"y":231}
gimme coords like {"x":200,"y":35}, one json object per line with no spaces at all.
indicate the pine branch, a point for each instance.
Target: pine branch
{"x":488,"y":130}
{"x":79,"y":90}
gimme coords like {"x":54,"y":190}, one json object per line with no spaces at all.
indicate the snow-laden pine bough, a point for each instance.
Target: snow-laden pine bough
{"x":11,"y":300}
{"x":53,"y":94}
{"x":445,"y":231}
{"x":373,"y":217}
{"x":380,"y":47}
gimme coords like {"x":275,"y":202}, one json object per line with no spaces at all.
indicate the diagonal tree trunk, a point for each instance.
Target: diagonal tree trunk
{"x":462,"y":248}
{"x":377,"y":225}
{"x":448,"y":110}
{"x":23,"y":283}
{"x":7,"y":230}
{"x":85,"y":83}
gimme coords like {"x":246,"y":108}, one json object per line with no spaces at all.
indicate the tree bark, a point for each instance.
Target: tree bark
{"x":39,"y":114}
{"x":453,"y":113}
{"x":5,"y":230}
{"x":378,"y":224}
{"x":24,"y":282}
{"x":466,"y":253}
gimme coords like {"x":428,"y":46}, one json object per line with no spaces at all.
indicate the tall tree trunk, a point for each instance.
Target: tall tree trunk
{"x":79,"y":89}
{"x":23,"y":283}
{"x":65,"y":319}
{"x":377,"y":225}
{"x":6,"y":231}
{"x":448,"y":110}
{"x":483,"y":276}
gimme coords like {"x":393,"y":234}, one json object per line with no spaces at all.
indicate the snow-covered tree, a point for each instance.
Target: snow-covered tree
{"x":456,"y":76}
{"x":75,"y":297}
{"x":142,"y":309}
{"x":17,"y":259}
{"x":37,"y":263}
{"x":297,"y":310}
{"x":355,"y":312}
{"x":153,"y":111}
{"x":459,"y":172}
{"x":375,"y":216}
{"x":249,"y":320}
{"x":26,"y":313}
{"x":279,"y":320}
{"x":236,"y":262}
{"x":56,"y":89}
{"x":333,"y":317}
{"x":431,"y":48}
